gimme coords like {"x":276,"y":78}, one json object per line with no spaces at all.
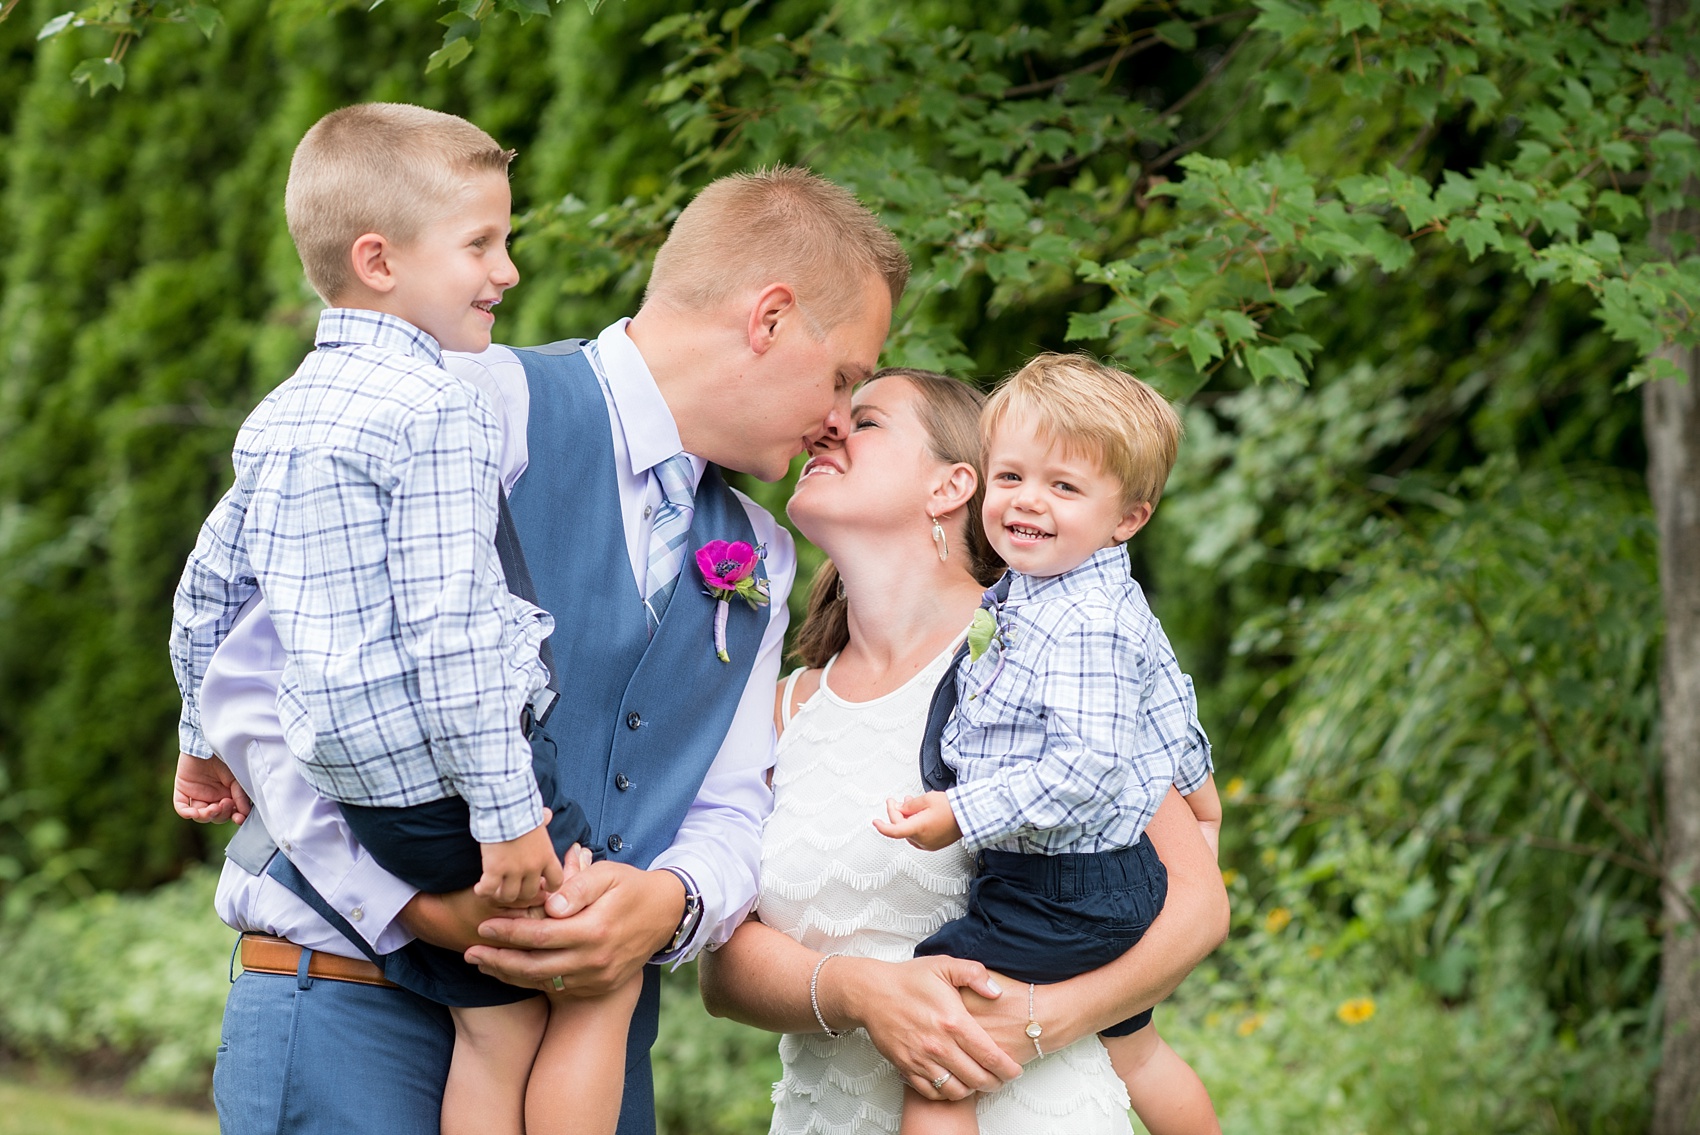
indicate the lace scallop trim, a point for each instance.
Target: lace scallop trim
{"x":943,"y":883}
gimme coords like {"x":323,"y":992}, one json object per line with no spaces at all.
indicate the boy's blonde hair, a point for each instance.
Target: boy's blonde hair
{"x":378,"y":167}
{"x":1100,"y":412}
{"x":779,"y":225}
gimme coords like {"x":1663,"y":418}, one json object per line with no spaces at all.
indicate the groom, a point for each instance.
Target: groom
{"x":770,"y":298}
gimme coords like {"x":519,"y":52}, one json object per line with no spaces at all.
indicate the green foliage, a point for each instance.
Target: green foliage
{"x":1290,"y":1034}
{"x":61,"y":996}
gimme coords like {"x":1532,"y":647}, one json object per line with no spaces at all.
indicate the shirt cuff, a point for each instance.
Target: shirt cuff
{"x":191,"y":741}
{"x":717,"y":923}
{"x":371,"y":899}
{"x":504,"y":810}
{"x":982,"y":813}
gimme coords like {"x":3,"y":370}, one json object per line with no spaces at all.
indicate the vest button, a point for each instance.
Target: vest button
{"x":615,"y":843}
{"x":633,"y":719}
{"x":621,"y":782}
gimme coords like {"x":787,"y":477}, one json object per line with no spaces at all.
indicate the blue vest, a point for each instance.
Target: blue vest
{"x":639,"y":720}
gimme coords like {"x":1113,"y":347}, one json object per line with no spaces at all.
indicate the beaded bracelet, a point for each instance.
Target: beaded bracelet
{"x":814,"y":1002}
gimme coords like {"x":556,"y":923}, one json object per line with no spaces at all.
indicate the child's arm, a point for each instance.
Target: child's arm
{"x":1206,"y":807}
{"x":217,"y":580}
{"x":925,"y":821}
{"x":453,"y":615}
{"x":206,"y":791}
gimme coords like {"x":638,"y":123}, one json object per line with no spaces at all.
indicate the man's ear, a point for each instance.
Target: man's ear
{"x":955,"y":490}
{"x":1133,"y":520}
{"x":776,"y":304}
{"x":369,"y":255}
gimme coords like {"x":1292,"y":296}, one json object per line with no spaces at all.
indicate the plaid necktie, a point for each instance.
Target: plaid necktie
{"x":671,"y":527}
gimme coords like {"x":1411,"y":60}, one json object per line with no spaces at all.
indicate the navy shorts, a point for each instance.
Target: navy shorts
{"x":430,"y":846}
{"x":1047,"y":918}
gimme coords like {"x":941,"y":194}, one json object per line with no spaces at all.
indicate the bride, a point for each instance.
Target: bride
{"x":827,"y":959}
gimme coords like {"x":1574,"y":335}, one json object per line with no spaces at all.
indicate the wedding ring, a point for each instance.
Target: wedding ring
{"x":559,"y":982}
{"x":938,"y":1084}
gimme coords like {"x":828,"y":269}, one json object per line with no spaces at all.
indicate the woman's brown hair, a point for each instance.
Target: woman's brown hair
{"x":949,"y":410}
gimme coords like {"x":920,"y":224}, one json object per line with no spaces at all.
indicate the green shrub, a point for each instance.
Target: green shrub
{"x":140,"y":978}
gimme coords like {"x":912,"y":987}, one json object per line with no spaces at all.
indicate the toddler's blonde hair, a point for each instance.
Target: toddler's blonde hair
{"x":377,"y":167}
{"x":780,"y":225}
{"x":1100,"y":412}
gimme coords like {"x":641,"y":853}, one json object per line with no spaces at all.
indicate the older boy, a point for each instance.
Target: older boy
{"x":366,"y":510}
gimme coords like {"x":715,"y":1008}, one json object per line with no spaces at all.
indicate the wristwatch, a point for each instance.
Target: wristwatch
{"x":689,"y":920}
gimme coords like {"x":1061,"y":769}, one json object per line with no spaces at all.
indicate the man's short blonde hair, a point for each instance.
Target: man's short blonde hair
{"x":378,"y":167}
{"x":1100,"y":412}
{"x":780,"y":225}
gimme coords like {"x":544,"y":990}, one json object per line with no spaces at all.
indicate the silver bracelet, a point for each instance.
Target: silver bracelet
{"x":814,"y":1002}
{"x":1033,"y":1030}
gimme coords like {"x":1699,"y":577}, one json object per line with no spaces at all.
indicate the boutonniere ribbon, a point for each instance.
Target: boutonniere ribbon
{"x":730,"y":571}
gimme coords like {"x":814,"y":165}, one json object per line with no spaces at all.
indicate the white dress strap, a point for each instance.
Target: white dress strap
{"x":790,"y":694}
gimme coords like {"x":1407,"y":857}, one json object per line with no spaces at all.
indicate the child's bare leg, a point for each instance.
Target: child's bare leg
{"x":580,"y":1072}
{"x":494,"y":1049}
{"x":1163,"y":1088}
{"x":922,"y":1116}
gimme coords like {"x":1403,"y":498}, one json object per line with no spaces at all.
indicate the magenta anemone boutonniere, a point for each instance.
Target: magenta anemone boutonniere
{"x":730,"y":570}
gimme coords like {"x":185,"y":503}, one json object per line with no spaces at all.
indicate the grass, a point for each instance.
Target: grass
{"x":30,"y":1110}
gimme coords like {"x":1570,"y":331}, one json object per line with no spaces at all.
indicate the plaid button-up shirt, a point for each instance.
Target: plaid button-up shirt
{"x":1069,"y":732}
{"x":364,"y":509}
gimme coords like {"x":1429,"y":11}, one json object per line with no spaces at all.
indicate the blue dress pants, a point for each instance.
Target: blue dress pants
{"x":307,"y":1056}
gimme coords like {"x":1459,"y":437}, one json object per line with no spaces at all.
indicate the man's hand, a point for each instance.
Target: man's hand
{"x":602,"y":926}
{"x":206,"y":791}
{"x":925,"y":821}
{"x":518,"y":871}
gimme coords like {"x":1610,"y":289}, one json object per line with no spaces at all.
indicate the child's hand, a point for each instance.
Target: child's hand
{"x":206,"y":791}
{"x":925,"y":821}
{"x":517,"y":871}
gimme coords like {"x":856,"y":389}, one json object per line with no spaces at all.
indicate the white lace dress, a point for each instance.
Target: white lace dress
{"x":833,"y":883}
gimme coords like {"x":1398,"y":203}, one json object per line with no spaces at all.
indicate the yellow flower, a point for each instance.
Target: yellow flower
{"x":1277,"y":920}
{"x":1250,"y":1025}
{"x":1211,"y":1020}
{"x":1235,"y":788}
{"x":1356,"y":1011}
{"x":1268,"y":857}
{"x":1230,"y":877}
{"x":1314,"y":953}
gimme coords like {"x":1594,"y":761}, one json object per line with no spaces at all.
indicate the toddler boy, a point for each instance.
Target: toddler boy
{"x":1072,"y":719}
{"x":367,"y":510}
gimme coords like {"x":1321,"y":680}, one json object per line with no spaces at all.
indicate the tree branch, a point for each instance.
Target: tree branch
{"x":1139,"y":43}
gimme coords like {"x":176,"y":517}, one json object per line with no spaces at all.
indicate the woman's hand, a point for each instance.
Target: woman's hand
{"x":914,"y":1013}
{"x":1004,"y":1018}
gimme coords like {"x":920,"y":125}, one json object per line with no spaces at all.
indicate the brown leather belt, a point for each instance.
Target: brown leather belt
{"x":262,"y":953}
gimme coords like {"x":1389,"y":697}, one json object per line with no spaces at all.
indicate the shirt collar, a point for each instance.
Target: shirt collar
{"x":1107,"y":567}
{"x":358,"y":327}
{"x":646,"y":422}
